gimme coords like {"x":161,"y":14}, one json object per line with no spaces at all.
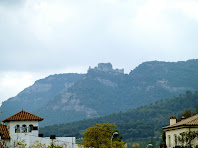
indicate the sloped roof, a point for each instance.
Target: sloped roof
{"x":4,"y":132}
{"x":191,"y":121}
{"x":23,"y":116}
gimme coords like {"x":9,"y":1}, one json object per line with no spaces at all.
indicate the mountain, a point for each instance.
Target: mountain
{"x":39,"y":94}
{"x":103,"y":90}
{"x":142,"y":122}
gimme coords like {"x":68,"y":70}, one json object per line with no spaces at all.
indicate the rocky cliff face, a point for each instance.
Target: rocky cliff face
{"x":103,"y":90}
{"x":39,"y":94}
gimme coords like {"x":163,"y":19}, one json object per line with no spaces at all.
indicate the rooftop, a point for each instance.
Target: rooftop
{"x":4,"y":132}
{"x":23,"y":116}
{"x":191,"y":121}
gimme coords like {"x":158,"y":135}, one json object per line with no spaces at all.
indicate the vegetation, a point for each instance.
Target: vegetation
{"x":21,"y":143}
{"x":36,"y":144}
{"x":102,"y":136}
{"x":143,"y":122}
{"x":185,"y":138}
{"x":104,"y":93}
{"x":98,"y":93}
{"x":38,"y":96}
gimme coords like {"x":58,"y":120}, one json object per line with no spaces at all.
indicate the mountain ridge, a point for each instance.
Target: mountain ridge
{"x":103,"y":90}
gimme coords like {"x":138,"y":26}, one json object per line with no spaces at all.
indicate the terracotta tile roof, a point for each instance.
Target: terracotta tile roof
{"x":191,"y":121}
{"x":4,"y":132}
{"x":23,"y":116}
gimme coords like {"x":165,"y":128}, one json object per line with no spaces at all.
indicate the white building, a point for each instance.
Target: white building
{"x":175,"y":128}
{"x":23,"y":129}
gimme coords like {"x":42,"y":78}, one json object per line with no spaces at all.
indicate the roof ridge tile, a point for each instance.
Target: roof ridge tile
{"x":23,"y":116}
{"x":193,"y":120}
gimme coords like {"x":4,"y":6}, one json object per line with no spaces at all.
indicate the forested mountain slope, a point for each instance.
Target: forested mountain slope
{"x":143,"y":122}
{"x":103,"y":90}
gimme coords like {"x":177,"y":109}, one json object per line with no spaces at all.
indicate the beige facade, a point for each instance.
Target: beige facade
{"x":175,"y":128}
{"x":172,"y":137}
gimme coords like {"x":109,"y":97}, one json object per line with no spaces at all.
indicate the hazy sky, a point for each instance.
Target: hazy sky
{"x":42,"y":37}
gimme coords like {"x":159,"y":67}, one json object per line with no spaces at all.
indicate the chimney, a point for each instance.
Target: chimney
{"x":172,"y":120}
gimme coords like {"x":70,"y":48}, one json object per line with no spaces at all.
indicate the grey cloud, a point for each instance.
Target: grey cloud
{"x":12,"y":3}
{"x":74,"y":34}
{"x":99,"y":33}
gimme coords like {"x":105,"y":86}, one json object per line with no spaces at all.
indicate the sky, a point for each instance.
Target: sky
{"x":43,"y":37}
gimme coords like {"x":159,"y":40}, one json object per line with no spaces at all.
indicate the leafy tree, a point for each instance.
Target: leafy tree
{"x":118,"y":144}
{"x":188,"y":92}
{"x":196,"y":109}
{"x":163,"y":136}
{"x":186,"y":114}
{"x":101,"y":136}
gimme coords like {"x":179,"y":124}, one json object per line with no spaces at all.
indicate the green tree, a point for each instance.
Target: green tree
{"x":196,"y":109}
{"x":186,"y":114}
{"x":101,"y":136}
{"x":163,"y":137}
{"x":118,"y":144}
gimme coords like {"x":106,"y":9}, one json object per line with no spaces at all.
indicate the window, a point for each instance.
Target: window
{"x":30,"y":128}
{"x":35,"y":128}
{"x":17,"y":129}
{"x":24,"y":128}
{"x":169,"y":141}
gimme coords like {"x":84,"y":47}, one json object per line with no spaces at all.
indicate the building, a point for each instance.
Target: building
{"x":23,"y":129}
{"x":107,"y":68}
{"x":174,"y":130}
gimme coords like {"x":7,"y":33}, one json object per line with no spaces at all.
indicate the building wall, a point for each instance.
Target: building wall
{"x":172,"y":134}
{"x":16,"y":137}
{"x":30,"y":138}
{"x":65,"y":142}
{"x":11,"y":126}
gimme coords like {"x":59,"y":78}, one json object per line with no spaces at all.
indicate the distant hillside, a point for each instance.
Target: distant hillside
{"x":143,"y":122}
{"x":103,"y":90}
{"x":39,"y":94}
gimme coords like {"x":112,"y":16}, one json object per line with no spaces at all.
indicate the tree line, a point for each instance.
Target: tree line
{"x":142,"y":122}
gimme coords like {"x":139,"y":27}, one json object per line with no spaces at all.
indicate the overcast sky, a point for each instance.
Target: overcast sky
{"x":43,"y":37}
